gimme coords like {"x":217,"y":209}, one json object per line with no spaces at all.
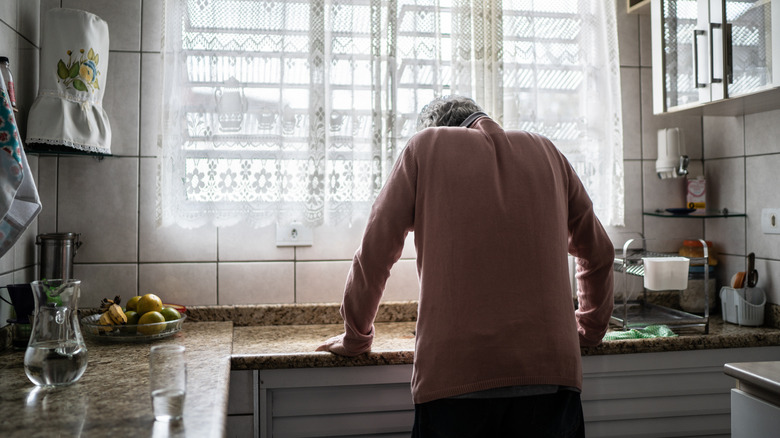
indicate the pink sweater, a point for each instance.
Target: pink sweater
{"x":494,"y":214}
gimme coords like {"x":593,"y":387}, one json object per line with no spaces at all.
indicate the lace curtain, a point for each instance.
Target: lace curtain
{"x":295,"y":110}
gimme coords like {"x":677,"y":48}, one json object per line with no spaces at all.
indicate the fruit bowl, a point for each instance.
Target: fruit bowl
{"x":130,"y":332}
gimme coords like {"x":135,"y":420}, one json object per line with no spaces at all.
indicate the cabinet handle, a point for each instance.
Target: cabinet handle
{"x":696,"y":83}
{"x":716,"y":55}
{"x":729,"y":54}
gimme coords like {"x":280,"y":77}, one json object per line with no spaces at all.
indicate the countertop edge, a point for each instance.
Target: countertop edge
{"x":764,"y":375}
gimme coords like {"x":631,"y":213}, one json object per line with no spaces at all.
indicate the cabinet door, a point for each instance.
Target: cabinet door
{"x":681,"y":53}
{"x":748,"y":43}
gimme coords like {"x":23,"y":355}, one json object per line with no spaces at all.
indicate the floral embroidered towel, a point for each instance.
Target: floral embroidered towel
{"x":19,"y":201}
{"x":68,"y":111}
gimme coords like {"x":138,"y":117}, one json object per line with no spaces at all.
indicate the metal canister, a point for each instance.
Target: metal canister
{"x":56,"y":254}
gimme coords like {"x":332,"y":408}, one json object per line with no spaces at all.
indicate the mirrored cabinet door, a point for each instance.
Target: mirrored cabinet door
{"x":707,"y":51}
{"x":681,"y":76}
{"x":749,"y":45}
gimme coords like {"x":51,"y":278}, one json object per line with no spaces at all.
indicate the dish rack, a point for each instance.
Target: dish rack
{"x":639,"y":312}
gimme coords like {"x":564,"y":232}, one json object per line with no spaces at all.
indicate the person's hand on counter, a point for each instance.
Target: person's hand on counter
{"x":336,"y":346}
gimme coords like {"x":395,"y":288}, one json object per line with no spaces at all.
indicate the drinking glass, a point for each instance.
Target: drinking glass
{"x":167,"y":381}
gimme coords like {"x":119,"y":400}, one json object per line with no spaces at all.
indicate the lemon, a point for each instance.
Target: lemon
{"x":146,"y":323}
{"x":132,"y":303}
{"x":148,"y":303}
{"x":170,"y":313}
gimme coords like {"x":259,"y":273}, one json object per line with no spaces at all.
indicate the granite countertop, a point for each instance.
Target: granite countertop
{"x":293,"y":346}
{"x":112,"y":397}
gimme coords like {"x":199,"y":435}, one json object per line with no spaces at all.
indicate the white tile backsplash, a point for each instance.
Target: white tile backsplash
{"x":151,"y":30}
{"x":123,"y":18}
{"x":29,"y":25}
{"x":48,"y":168}
{"x":632,"y":171}
{"x":632,"y":115}
{"x":99,"y":200}
{"x":321,"y":282}
{"x":628,"y":43}
{"x":100,"y":281}
{"x":725,"y":179}
{"x":723,"y":137}
{"x":8,"y":12}
{"x":762,"y":132}
{"x":180,"y":283}
{"x":243,"y":242}
{"x":690,"y":126}
{"x":760,"y":191}
{"x":256,"y":283}
{"x":645,"y":41}
{"x":168,"y":243}
{"x":151,"y":99}
{"x":121,"y":101}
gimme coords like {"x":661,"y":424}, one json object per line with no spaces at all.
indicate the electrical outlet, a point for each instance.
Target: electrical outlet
{"x":770,"y":220}
{"x":293,"y":234}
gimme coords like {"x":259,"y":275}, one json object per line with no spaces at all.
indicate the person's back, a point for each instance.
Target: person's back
{"x":491,"y":231}
{"x":494,"y":214}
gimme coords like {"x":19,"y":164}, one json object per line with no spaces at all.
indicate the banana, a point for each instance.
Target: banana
{"x":116,"y":314}
{"x":105,"y":319}
{"x":112,"y":312}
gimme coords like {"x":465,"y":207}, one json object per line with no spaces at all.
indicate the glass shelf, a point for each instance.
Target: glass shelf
{"x":42,"y":149}
{"x":696,"y":214}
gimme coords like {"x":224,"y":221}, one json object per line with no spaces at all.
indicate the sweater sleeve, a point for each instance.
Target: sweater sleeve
{"x":391,"y":218}
{"x":589,"y":242}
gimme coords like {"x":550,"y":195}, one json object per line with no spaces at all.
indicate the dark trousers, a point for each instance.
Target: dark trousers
{"x":548,"y":415}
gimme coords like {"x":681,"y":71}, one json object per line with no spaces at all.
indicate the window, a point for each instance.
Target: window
{"x":280,"y":110}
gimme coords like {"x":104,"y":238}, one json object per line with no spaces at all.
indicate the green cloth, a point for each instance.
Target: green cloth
{"x":651,"y":331}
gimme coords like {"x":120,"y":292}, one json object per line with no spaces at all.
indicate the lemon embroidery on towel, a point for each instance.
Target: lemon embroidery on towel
{"x":80,"y":73}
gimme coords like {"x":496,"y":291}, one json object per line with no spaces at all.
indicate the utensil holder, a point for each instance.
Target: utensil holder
{"x":743,"y":306}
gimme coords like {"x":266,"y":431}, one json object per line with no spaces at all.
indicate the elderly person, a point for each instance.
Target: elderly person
{"x":494,"y":215}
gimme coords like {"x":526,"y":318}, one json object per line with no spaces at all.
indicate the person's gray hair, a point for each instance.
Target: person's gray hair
{"x":446,"y":111}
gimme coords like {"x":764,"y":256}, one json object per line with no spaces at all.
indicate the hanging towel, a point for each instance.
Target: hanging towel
{"x":68,"y":112}
{"x":19,"y":201}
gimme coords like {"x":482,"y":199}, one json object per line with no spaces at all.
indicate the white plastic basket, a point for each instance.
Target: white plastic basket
{"x":743,"y":306}
{"x":666,"y":273}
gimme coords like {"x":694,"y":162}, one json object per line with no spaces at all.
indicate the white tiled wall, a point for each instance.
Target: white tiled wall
{"x":111,"y":202}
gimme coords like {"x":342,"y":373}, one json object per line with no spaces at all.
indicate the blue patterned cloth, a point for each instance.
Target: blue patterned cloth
{"x":19,"y":200}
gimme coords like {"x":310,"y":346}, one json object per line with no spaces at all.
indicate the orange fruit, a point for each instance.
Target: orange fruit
{"x":170,"y":313}
{"x":132,"y":317}
{"x":132,"y":320}
{"x":132,"y":302}
{"x":147,"y":323}
{"x":148,"y":303}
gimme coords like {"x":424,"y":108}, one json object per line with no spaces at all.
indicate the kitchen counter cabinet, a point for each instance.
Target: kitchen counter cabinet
{"x":755,"y":402}
{"x":112,"y":397}
{"x":660,"y":386}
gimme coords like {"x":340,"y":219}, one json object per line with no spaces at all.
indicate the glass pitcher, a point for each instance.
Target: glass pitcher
{"x":56,"y":354}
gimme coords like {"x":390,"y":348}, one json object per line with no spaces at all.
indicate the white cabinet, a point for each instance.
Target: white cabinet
{"x":670,"y":394}
{"x":676,"y":393}
{"x":242,"y":404}
{"x":709,"y":52}
{"x":752,"y":417}
{"x":329,"y":402}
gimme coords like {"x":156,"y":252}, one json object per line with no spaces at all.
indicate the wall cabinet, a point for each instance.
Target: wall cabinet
{"x":717,"y":57}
